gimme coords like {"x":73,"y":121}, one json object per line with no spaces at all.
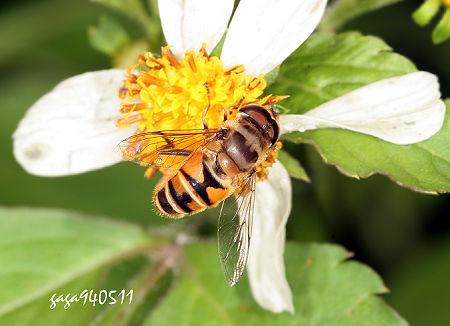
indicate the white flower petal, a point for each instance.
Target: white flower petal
{"x":187,"y":24}
{"x":266,"y":272}
{"x":263,"y":33}
{"x":401,"y":110}
{"x":72,"y":128}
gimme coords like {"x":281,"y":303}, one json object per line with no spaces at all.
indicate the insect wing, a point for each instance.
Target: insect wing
{"x":234,"y":232}
{"x":165,"y":149}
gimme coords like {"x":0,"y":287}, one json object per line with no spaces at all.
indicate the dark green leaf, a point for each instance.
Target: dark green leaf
{"x":423,"y":166}
{"x":109,"y":37}
{"x":217,"y":51}
{"x":342,"y":11}
{"x":134,"y":9}
{"x":328,"y":66}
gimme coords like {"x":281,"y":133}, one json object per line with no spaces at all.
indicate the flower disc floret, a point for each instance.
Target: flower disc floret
{"x":169,"y":94}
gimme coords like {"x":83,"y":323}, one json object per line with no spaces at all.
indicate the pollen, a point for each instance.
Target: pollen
{"x":163,"y":93}
{"x":262,"y":171}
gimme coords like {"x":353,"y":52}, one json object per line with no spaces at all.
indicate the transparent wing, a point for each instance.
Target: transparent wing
{"x":167,"y":149}
{"x":234,"y":232}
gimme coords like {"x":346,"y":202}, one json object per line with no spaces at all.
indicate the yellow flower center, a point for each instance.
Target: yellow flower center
{"x":170,"y":94}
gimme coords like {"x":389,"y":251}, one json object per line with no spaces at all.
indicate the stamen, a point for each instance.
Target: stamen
{"x":129,"y":108}
{"x":148,"y":80}
{"x":192,"y":64}
{"x":168,"y":55}
{"x":262,"y":172}
{"x":268,"y":100}
{"x":203,"y":51}
{"x":239,"y":69}
{"x":125,"y":122}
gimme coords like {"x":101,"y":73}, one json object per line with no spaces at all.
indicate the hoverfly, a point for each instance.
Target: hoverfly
{"x":202,"y":167}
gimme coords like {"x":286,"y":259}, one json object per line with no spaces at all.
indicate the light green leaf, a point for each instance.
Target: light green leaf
{"x":109,"y":37}
{"x":38,"y":312}
{"x":43,"y":250}
{"x":426,"y":12}
{"x":128,"y":55}
{"x":293,"y":166}
{"x":442,"y":30}
{"x":342,"y":11}
{"x":328,"y":66}
{"x":327,"y":291}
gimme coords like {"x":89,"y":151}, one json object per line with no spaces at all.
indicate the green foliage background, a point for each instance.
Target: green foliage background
{"x":401,"y":234}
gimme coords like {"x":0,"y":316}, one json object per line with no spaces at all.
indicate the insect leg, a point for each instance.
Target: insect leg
{"x":226,"y":112}
{"x":175,"y":152}
{"x":168,"y":141}
{"x":205,"y":123}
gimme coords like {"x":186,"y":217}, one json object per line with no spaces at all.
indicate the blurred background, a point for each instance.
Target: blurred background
{"x":404,"y":236}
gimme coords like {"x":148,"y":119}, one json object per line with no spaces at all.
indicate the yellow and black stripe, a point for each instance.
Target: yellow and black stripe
{"x":191,"y":190}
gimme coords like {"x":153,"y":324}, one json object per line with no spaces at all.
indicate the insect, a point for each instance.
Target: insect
{"x":203,"y":167}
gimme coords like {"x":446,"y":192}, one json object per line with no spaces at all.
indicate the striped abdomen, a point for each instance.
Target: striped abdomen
{"x":192,"y":189}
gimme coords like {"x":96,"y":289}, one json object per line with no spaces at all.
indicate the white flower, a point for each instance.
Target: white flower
{"x":72,"y":129}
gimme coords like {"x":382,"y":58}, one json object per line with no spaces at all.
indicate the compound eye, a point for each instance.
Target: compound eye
{"x":262,"y":117}
{"x":257,"y":113}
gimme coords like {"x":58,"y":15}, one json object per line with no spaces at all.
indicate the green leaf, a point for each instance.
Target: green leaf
{"x":426,"y":12}
{"x":328,"y":66}
{"x":45,"y":250}
{"x":137,"y":12}
{"x":134,"y":9}
{"x":342,"y":11}
{"x":326,"y":289}
{"x":293,"y":166}
{"x":442,"y":30}
{"x":109,"y":37}
{"x":38,"y":312}
{"x":423,"y":167}
{"x":272,"y":75}
{"x":217,"y":51}
{"x":150,"y":284}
